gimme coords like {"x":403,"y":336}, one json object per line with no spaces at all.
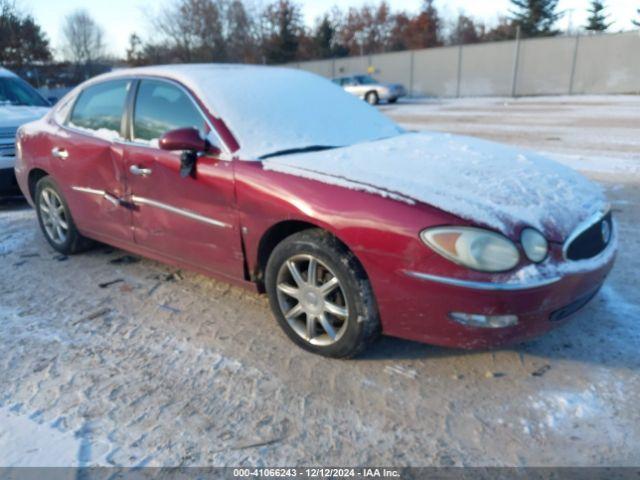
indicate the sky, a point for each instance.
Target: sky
{"x":120,"y":18}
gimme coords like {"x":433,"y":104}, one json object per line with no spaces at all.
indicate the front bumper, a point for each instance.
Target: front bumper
{"x":419,"y":307}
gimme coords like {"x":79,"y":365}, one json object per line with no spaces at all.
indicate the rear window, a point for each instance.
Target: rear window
{"x":100,"y":107}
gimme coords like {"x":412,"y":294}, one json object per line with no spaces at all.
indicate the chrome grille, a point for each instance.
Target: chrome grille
{"x":8,"y":133}
{"x":7,"y":141}
{"x":7,"y":150}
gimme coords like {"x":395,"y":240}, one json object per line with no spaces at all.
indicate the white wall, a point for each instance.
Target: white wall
{"x":590,"y":64}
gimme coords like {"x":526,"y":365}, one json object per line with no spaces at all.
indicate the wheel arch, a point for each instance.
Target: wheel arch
{"x":34,"y":177}
{"x":275,"y":235}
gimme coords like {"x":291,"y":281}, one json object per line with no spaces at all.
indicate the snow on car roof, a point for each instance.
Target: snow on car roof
{"x":271,"y":109}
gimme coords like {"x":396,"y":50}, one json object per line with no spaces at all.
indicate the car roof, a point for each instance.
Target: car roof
{"x":194,"y":69}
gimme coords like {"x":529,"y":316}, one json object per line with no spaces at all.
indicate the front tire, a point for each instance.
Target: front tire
{"x":55,"y":219}
{"x":320,"y":295}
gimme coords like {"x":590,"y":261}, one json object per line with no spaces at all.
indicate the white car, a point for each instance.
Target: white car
{"x":371,"y":90}
{"x":19,"y":103}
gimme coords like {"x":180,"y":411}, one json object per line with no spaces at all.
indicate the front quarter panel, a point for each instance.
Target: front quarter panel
{"x":382,"y":232}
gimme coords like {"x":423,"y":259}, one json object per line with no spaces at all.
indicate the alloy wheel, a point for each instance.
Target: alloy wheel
{"x":312,"y":300}
{"x":54,"y":216}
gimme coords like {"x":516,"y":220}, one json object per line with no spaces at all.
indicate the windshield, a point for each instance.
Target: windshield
{"x":14,"y":91}
{"x":271,"y":110}
{"x":366,"y":80}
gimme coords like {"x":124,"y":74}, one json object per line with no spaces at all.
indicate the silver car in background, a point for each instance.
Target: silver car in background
{"x":370,"y":89}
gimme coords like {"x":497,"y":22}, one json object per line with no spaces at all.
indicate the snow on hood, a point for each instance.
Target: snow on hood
{"x":16,"y":115}
{"x":480,"y":181}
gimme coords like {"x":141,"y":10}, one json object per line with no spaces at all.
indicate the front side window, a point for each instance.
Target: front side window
{"x":14,"y":91}
{"x":100,"y":107}
{"x":162,"y":107}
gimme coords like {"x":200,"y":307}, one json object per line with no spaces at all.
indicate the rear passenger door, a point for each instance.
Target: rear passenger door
{"x":87,"y":155}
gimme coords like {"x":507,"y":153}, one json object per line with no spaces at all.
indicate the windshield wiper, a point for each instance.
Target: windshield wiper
{"x":291,"y":151}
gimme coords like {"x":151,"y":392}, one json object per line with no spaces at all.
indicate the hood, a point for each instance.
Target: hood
{"x":482,"y":182}
{"x":12,"y":116}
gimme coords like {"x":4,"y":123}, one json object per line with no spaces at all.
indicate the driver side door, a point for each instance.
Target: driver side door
{"x":192,"y":220}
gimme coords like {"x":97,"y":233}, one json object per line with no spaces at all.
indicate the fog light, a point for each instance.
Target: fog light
{"x":484,"y":321}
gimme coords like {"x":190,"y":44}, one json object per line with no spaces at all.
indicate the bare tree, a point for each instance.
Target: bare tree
{"x":240,"y":34}
{"x":465,"y":30}
{"x":283,"y":28}
{"x":193,"y":29}
{"x":83,"y":42}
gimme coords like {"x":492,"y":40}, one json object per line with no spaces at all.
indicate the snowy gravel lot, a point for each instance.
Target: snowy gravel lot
{"x":168,"y":367}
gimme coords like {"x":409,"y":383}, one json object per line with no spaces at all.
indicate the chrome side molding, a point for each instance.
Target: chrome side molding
{"x":91,"y":191}
{"x":153,"y":203}
{"x":179,"y":211}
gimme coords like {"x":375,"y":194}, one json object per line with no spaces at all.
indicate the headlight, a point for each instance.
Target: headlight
{"x":534,"y":244}
{"x":473,"y":248}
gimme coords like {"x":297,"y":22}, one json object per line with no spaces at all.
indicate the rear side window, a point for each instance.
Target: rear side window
{"x":100,"y":107}
{"x":161,"y":107}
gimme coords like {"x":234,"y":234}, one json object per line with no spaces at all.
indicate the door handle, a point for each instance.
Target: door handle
{"x":140,"y":172}
{"x":60,"y":153}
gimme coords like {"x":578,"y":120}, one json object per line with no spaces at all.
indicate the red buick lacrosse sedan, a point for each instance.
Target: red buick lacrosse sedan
{"x":278,"y":180}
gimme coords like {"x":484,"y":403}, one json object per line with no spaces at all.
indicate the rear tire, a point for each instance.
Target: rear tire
{"x":372,"y":98}
{"x":320,"y":295}
{"x":55,"y":219}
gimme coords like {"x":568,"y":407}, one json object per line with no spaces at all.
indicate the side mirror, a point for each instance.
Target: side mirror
{"x":189,"y":141}
{"x":185,"y":139}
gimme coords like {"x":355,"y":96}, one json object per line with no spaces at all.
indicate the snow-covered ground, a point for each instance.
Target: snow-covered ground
{"x":590,"y":133}
{"x":172,"y":368}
